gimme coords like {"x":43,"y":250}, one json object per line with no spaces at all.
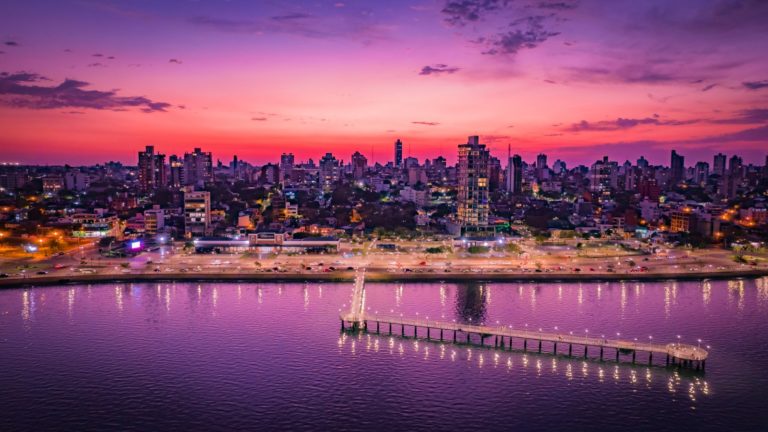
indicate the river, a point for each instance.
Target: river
{"x":270,"y":356}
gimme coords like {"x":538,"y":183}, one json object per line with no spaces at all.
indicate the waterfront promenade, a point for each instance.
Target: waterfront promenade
{"x":372,"y":275}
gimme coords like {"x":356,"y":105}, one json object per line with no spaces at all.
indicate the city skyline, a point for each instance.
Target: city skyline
{"x":575,"y":80}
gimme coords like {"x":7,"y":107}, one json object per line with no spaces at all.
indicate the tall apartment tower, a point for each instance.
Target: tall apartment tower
{"x":198,"y":167}
{"x":398,"y":153}
{"x":718,"y":167}
{"x":330,"y":170}
{"x":473,"y":203}
{"x":515,"y":175}
{"x":676,"y":168}
{"x":197,"y":214}
{"x":286,"y":166}
{"x":541,"y":166}
{"x":359,"y":165}
{"x":151,"y":170}
{"x":175,"y":169}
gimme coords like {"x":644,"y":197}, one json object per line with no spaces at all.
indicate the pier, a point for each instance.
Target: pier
{"x":678,"y":354}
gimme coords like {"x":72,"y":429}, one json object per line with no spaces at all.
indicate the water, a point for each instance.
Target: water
{"x":218,"y":356}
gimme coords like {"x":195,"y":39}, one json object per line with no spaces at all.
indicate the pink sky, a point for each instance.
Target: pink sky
{"x":574,"y":79}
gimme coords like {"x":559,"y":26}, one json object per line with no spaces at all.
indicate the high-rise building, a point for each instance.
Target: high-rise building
{"x":718,"y":167}
{"x":701,"y":173}
{"x":270,"y":174}
{"x":286,"y":166}
{"x":558,"y":167}
{"x":198,"y":167}
{"x":410,"y":162}
{"x":735,"y":165}
{"x":359,"y":165}
{"x":398,"y":153}
{"x":76,"y":180}
{"x":515,"y":175}
{"x":151,"y":170}
{"x":330,"y":171}
{"x":603,"y":175}
{"x":642,"y":163}
{"x":676,"y":169}
{"x":473,"y":206}
{"x":176,"y":170}
{"x":197,"y":214}
{"x":541,"y":166}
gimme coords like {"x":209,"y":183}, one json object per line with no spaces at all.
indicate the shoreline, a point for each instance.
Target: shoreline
{"x":371,"y":276}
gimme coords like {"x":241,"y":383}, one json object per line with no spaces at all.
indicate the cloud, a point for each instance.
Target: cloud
{"x":494,"y":139}
{"x":97,"y":55}
{"x":173,"y":60}
{"x":11,"y":43}
{"x":527,"y":33}
{"x":292,"y":16}
{"x":425,"y":123}
{"x":22,"y":90}
{"x":259,"y":118}
{"x":747,"y":116}
{"x":755,"y":85}
{"x":755,"y":134}
{"x":97,"y":64}
{"x":505,"y":27}
{"x":438,"y":69}
{"x":462,"y":12}
{"x":709,"y":87}
{"x":624,"y":123}
{"x":562,"y":5}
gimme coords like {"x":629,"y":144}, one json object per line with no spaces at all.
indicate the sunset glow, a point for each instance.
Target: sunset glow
{"x":252,"y":78}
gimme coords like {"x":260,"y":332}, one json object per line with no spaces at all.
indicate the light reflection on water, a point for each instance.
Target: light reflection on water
{"x":270,"y":356}
{"x":590,"y":371}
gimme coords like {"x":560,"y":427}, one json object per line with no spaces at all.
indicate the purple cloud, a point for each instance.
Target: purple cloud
{"x":19,"y":90}
{"x":438,"y":69}
{"x":755,"y":85}
{"x":462,"y":12}
{"x":11,"y":43}
{"x":747,"y":116}
{"x":527,"y":33}
{"x":425,"y":123}
{"x":259,"y":118}
{"x":624,"y":123}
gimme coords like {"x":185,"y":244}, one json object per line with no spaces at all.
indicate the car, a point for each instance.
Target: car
{"x":42,"y":272}
{"x":58,"y":266}
{"x":4,"y":275}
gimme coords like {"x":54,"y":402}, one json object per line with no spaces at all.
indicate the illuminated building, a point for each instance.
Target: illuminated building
{"x":398,"y":153}
{"x":473,"y":206}
{"x":197,"y":214}
{"x":151,"y":170}
{"x":198,"y":168}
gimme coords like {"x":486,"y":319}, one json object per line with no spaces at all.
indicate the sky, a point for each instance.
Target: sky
{"x":89,"y":81}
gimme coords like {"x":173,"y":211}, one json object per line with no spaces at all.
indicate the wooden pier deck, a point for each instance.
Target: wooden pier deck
{"x":357,"y":319}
